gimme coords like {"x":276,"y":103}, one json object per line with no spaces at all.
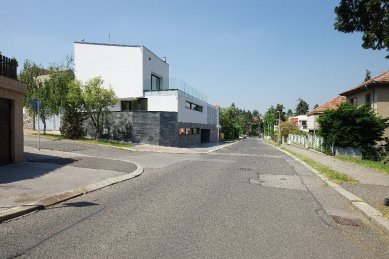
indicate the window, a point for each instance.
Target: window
{"x":368,"y":99}
{"x":188,"y":131}
{"x":193,"y":106}
{"x":353,"y":101}
{"x":155,"y":83}
{"x":135,"y":105}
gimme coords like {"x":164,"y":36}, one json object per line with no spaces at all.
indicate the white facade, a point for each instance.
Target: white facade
{"x":127,"y":69}
{"x":313,"y":125}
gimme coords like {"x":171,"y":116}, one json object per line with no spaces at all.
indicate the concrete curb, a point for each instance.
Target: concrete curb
{"x":372,"y":214}
{"x":61,"y":197}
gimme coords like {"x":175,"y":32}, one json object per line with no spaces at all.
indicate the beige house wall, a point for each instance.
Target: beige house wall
{"x":383,"y":103}
{"x":380,"y":101}
{"x":14,"y":90}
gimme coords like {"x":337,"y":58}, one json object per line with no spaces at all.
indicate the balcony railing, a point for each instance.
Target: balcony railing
{"x":8,"y":67}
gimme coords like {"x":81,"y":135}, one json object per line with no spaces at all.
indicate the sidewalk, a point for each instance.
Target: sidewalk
{"x":48,"y":177}
{"x":372,"y":186}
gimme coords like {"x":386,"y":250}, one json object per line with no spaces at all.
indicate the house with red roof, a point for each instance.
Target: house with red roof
{"x":373,"y":92}
{"x":332,"y":104}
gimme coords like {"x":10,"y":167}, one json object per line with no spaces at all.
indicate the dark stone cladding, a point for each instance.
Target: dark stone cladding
{"x":194,"y":140}
{"x":156,"y":128}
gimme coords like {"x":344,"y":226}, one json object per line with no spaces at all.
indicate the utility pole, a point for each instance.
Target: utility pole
{"x":279,"y":127}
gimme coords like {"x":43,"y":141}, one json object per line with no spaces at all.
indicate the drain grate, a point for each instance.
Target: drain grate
{"x":245,"y":169}
{"x":346,"y":221}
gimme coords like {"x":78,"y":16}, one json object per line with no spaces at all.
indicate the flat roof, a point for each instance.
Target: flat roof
{"x":117,"y":45}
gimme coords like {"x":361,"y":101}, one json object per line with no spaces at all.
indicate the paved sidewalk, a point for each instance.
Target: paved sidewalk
{"x":47,"y":174}
{"x":372,"y":186}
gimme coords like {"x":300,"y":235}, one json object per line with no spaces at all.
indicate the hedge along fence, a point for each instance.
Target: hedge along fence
{"x":307,"y":141}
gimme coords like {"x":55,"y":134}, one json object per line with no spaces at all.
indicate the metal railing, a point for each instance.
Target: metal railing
{"x":8,"y":67}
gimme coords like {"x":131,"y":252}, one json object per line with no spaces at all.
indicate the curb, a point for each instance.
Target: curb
{"x":371,"y":213}
{"x":64,"y":196}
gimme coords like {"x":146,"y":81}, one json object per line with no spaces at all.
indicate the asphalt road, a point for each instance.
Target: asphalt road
{"x":245,"y":201}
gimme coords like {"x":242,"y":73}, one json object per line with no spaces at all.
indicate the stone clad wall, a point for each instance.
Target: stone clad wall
{"x":156,"y":128}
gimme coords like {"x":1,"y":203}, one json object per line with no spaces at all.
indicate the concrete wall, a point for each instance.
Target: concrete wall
{"x":121,"y":67}
{"x":312,"y":122}
{"x":360,"y":97}
{"x":189,"y":115}
{"x":156,"y":101}
{"x":14,"y":90}
{"x":152,"y":64}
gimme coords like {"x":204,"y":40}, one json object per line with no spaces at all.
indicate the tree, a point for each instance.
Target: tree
{"x":315,"y":106}
{"x":280,"y":109}
{"x":48,"y":86}
{"x":302,"y":107}
{"x":230,"y":122}
{"x":287,"y":128}
{"x":247,"y":120}
{"x":289,"y":113}
{"x":351,"y":126}
{"x":367,"y":75}
{"x":269,"y":120}
{"x":96,"y":100}
{"x":73,"y":117}
{"x":367,"y":16}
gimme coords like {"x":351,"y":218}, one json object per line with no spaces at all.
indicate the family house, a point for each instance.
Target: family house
{"x":312,"y":124}
{"x":300,"y":121}
{"x":373,"y":92}
{"x":152,"y":107}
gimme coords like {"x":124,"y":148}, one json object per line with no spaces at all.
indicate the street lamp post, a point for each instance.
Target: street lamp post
{"x":279,"y":127}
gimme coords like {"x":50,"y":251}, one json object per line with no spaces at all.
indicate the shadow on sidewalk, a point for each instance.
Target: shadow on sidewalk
{"x":35,"y":166}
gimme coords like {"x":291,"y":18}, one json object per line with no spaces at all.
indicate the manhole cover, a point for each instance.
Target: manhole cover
{"x":346,"y":221}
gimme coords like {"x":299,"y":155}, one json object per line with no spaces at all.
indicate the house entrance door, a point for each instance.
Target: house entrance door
{"x":5,"y":131}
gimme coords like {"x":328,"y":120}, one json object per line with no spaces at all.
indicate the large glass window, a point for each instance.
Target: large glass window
{"x":155,"y":83}
{"x":135,"y":105}
{"x":193,"y":106}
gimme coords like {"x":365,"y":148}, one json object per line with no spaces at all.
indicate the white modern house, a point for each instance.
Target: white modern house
{"x":300,"y":121}
{"x":152,"y":107}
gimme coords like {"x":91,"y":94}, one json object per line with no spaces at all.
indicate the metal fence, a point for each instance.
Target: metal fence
{"x":307,"y":141}
{"x":8,"y":67}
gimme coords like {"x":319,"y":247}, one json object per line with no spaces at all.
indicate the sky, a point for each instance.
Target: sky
{"x":255,"y":53}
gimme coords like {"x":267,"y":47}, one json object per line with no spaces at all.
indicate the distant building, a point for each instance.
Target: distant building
{"x":373,"y":92}
{"x":152,"y":107}
{"x":300,"y":121}
{"x":312,"y":124}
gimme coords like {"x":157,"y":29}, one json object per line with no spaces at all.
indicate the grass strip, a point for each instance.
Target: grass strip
{"x":379,"y":166}
{"x":330,"y":173}
{"x":91,"y":141}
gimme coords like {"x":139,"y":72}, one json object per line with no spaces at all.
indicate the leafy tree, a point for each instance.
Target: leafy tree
{"x":96,"y":100}
{"x":247,"y":120}
{"x":351,"y":126}
{"x":287,"y":128}
{"x":269,"y":120}
{"x":367,"y":16}
{"x":230,"y":122}
{"x":289,"y":113}
{"x":302,"y":107}
{"x":49,"y":86}
{"x":73,"y":117}
{"x":280,"y":109}
{"x":367,"y":75}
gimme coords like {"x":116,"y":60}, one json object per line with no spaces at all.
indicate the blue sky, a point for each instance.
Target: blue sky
{"x":253,"y":53}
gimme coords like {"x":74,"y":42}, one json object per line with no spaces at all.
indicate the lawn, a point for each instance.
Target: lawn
{"x":325,"y":170}
{"x":92,"y":141}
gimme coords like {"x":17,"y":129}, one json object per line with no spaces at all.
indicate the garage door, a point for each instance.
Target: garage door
{"x":5,"y":131}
